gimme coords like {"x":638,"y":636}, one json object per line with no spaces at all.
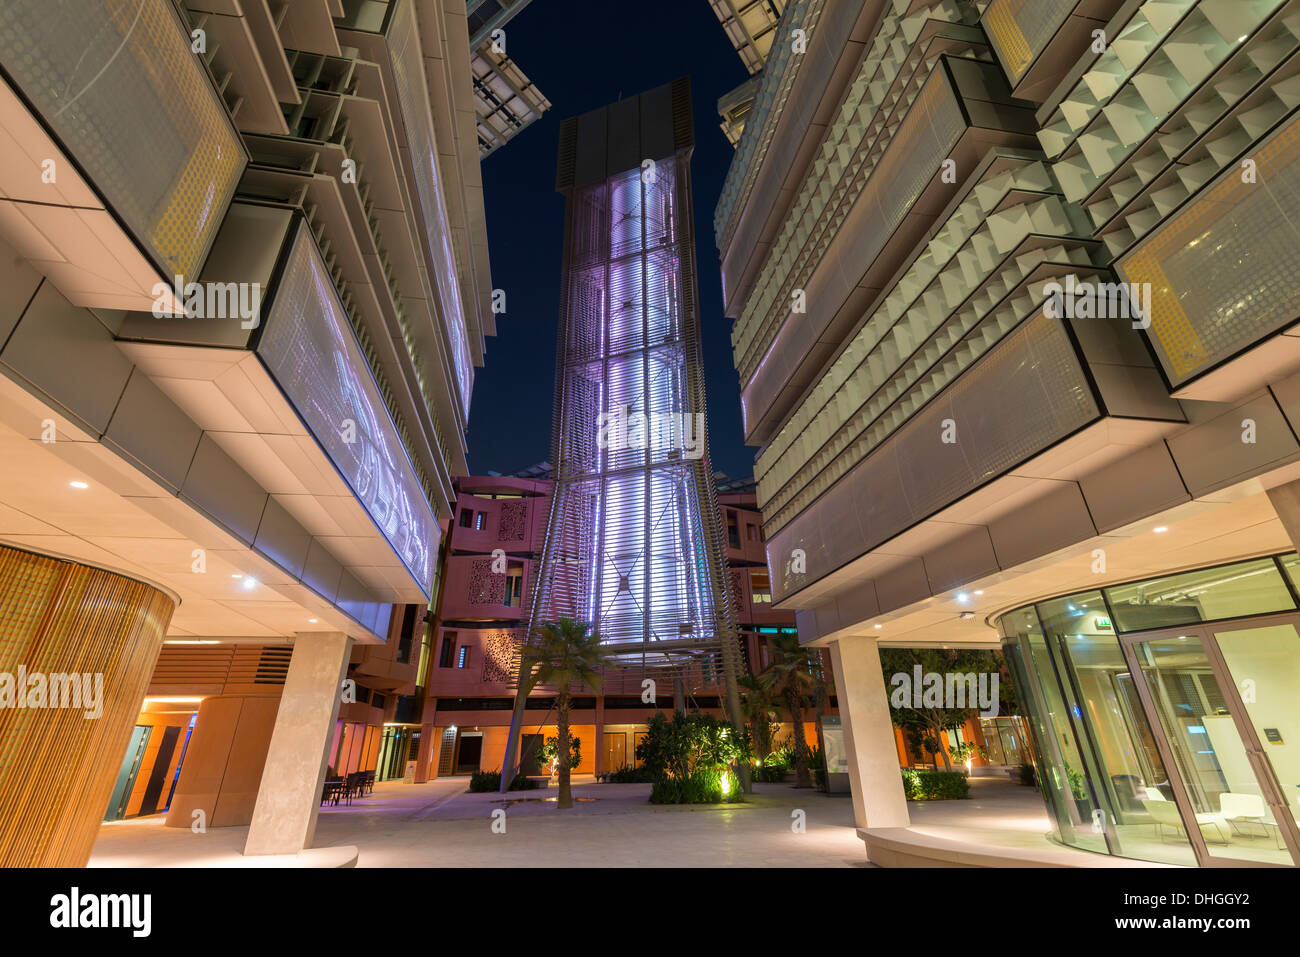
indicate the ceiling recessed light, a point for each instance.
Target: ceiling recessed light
{"x":312,"y":621}
{"x":250,"y":584}
{"x":1160,"y":528}
{"x":979,"y":591}
{"x":79,"y":485}
{"x":963,"y":597}
{"x":879,"y":626}
{"x":236,"y":575}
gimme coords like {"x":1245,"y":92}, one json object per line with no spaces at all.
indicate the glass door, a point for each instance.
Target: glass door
{"x":1264,"y":662}
{"x":1220,"y":795}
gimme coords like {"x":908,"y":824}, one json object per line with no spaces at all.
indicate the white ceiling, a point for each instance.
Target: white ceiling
{"x":125,"y":522}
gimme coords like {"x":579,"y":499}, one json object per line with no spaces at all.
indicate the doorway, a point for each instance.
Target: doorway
{"x":1221,"y":702}
{"x":126,"y":776}
{"x":470,"y":752}
{"x":615,"y":750}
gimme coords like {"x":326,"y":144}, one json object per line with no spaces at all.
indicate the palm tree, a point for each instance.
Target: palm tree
{"x":757,"y":704}
{"x":790,"y":678}
{"x":562,"y":655}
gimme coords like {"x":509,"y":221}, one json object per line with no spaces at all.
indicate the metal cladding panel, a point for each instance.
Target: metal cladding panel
{"x":310,"y":349}
{"x":617,"y":138}
{"x":589,"y":149}
{"x":116,"y":83}
{"x":1021,"y":29}
{"x":623,"y":135}
{"x":1027,"y":393}
{"x":1223,"y":270}
{"x":66,"y":353}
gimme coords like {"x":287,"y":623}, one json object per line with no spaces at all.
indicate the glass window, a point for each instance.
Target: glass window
{"x":466,"y":517}
{"x":1119,"y":759}
{"x":1208,"y":594}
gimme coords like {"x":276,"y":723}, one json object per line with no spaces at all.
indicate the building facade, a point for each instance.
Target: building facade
{"x":482,"y":617}
{"x":246,"y":270}
{"x":1014,"y":335}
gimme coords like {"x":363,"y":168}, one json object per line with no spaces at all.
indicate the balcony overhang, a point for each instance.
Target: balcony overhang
{"x":120,"y":184}
{"x":290,"y":398}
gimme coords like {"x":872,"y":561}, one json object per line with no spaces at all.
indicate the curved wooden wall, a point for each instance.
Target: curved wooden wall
{"x":58,"y":767}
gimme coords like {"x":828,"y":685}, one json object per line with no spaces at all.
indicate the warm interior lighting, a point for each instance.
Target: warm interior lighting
{"x":191,"y":641}
{"x":176,"y":700}
{"x":250,"y":584}
{"x":1160,"y":528}
{"x":963,"y":597}
{"x":79,"y":485}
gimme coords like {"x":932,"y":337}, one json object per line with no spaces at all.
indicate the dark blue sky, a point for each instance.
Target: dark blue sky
{"x":583,"y":55}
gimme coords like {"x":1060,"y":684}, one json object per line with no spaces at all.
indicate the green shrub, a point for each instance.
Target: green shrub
{"x":630,"y":775}
{"x":688,"y":758}
{"x":922,"y":785}
{"x":482,"y":781}
{"x":702,"y":787}
{"x":771,"y":773}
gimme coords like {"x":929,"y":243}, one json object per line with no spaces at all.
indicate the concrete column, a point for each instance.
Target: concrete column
{"x":424,"y":757}
{"x":600,"y":736}
{"x":288,"y":799}
{"x":878,"y":799}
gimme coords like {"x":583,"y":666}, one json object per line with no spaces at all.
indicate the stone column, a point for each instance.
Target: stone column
{"x":878,"y":799}
{"x":424,"y":757}
{"x":600,"y":736}
{"x":288,"y":799}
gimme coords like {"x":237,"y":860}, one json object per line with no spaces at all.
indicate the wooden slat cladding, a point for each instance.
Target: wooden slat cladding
{"x":58,"y":766}
{"x":220,"y":669}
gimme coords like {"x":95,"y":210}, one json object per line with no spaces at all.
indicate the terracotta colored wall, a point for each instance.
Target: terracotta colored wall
{"x":223,"y":767}
{"x":159,"y":722}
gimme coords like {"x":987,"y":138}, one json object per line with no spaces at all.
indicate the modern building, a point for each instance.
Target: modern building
{"x":505,"y":100}
{"x":482,"y":618}
{"x":632,"y":544}
{"x":750,"y":25}
{"x":247,"y":286}
{"x":969,"y":432}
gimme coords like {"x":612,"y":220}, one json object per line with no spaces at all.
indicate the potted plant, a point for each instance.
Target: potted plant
{"x":1079,"y":791}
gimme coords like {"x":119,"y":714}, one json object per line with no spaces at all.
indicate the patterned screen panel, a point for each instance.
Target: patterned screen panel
{"x":1224,"y":271}
{"x":1020,"y":29}
{"x":117,"y":84}
{"x":1026,"y":394}
{"x":310,"y":349}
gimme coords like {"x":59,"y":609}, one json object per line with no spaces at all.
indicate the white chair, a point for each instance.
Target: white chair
{"x":1165,"y":814}
{"x":1153,"y":793}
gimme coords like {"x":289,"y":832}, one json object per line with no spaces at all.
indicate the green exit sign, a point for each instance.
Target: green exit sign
{"x":1103,"y":624}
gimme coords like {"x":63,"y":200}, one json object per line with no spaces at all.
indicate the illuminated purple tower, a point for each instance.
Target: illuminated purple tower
{"x":634,"y":544}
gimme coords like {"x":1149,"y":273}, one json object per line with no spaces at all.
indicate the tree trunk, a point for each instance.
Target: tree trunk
{"x":563,"y":756}
{"x":938,"y":739}
{"x":802,"y":779}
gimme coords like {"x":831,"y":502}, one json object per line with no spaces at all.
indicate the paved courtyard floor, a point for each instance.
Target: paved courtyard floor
{"x":439,"y":824}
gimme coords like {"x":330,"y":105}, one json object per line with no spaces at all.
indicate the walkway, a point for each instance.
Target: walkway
{"x":439,"y":824}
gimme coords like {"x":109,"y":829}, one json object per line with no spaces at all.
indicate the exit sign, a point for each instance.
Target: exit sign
{"x":1103,"y":624}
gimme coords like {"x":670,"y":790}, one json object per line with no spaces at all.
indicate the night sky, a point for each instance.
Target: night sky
{"x":583,"y":55}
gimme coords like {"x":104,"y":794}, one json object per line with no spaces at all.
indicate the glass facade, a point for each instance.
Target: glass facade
{"x":1163,"y":726}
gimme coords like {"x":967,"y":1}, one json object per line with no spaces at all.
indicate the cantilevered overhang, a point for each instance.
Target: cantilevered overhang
{"x":1037,"y":410}
{"x":290,"y":398}
{"x":117,"y":156}
{"x":961,"y":113}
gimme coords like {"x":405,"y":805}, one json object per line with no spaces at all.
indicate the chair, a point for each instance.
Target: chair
{"x":1165,"y":814}
{"x":1238,"y":809}
{"x":369,"y":781}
